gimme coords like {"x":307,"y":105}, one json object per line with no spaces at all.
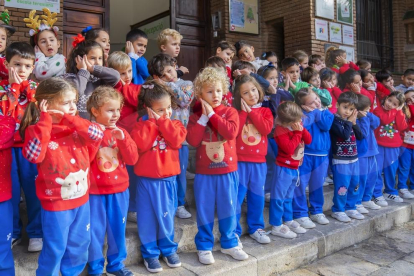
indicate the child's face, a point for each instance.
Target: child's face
{"x":369,"y":80}
{"x":272,"y":59}
{"x":409,"y":97}
{"x":23,"y":66}
{"x":334,"y":80}
{"x":66,"y":104}
{"x":272,"y":78}
{"x":345,"y":110}
{"x":169,"y":74}
{"x":313,"y":101}
{"x":391,"y":103}
{"x":226,"y":55}
{"x":408,"y":81}
{"x":319,"y":65}
{"x":212,"y":94}
{"x":388,"y":82}
{"x":368,"y":67}
{"x":357,"y":81}
{"x":103,"y":40}
{"x":140,"y":46}
{"x":249,"y":93}
{"x":246,"y":53}
{"x":315,"y":81}
{"x":48,"y":43}
{"x":341,"y":62}
{"x":108,"y":114}
{"x":305,"y":63}
{"x":3,"y":39}
{"x":293,"y":72}
{"x":126,"y":74}
{"x":172,"y":47}
{"x":162,"y":107}
{"x":95,"y":56}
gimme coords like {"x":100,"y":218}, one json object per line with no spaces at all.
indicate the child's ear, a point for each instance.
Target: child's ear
{"x":218,"y":50}
{"x":6,"y":64}
{"x":163,"y":48}
{"x":94,"y":112}
{"x":58,"y":44}
{"x":337,"y":105}
{"x":402,"y":77}
{"x":251,"y":47}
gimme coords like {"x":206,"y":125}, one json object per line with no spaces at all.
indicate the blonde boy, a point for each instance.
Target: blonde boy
{"x":169,"y":42}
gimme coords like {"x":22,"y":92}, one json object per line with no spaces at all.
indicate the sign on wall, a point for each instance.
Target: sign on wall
{"x":348,"y":35}
{"x":244,"y":16}
{"x":321,"y":29}
{"x":335,"y":34}
{"x":345,"y":12}
{"x":350,"y":52}
{"x":325,"y":9}
{"x":52,"y":5}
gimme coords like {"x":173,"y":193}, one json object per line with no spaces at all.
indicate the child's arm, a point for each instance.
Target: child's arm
{"x":358,"y":133}
{"x":364,"y":125}
{"x":342,"y":130}
{"x":284,"y":95}
{"x":144,"y":134}
{"x":326,"y":98}
{"x":284,"y":141}
{"x":80,"y":80}
{"x":173,"y":131}
{"x":262,"y":119}
{"x":306,"y":136}
{"x":262,"y":81}
{"x":374,"y":121}
{"x":227,"y":127}
{"x":382,"y":92}
{"x":7,"y":129}
{"x":108,"y":76}
{"x":323,"y":119}
{"x":139,"y":68}
{"x":242,"y":120}
{"x":46,"y":68}
{"x":131,"y":93}
{"x":299,"y":85}
{"x":401,"y":121}
{"x":128,"y":149}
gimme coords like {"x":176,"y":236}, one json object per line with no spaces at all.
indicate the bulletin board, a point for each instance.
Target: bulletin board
{"x":244,"y":16}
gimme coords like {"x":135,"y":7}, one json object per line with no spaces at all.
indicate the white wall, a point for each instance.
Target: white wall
{"x":124,"y":13}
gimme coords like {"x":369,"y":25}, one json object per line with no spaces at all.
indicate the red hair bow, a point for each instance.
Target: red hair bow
{"x":77,"y":39}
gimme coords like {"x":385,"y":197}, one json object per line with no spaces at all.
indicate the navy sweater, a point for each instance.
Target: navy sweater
{"x":343,"y":139}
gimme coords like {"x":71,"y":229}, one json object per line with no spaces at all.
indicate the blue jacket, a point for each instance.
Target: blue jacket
{"x":272,"y":101}
{"x":368,"y":146}
{"x":139,"y":69}
{"x":318,"y":123}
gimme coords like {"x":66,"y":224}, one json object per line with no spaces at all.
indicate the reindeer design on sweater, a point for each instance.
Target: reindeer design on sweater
{"x":107,"y":157}
{"x":250,"y":135}
{"x":215,"y":152}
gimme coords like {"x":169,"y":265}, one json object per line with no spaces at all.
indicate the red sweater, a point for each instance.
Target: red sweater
{"x":368,"y":93}
{"x":252,"y":139}
{"x":61,"y":152}
{"x":14,"y":100}
{"x":382,"y":92}
{"x":228,"y":70}
{"x":158,"y":142}
{"x":346,"y":67}
{"x":409,"y":133}
{"x":335,"y":92}
{"x":108,"y":171}
{"x":4,"y":72}
{"x":7,"y":128}
{"x":392,"y":124}
{"x":129,"y":113}
{"x":291,"y":146}
{"x":216,"y":142}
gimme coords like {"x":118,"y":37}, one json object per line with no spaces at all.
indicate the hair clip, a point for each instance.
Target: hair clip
{"x":77,"y":39}
{"x":37,"y":25}
{"x":87,"y":29}
{"x":148,"y":86}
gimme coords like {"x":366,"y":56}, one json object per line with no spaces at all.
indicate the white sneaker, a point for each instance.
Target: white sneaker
{"x":189,"y":176}
{"x":361,"y":209}
{"x":239,"y":243}
{"x":306,"y":223}
{"x":320,"y":219}
{"x":328,"y":180}
{"x":35,"y":245}
{"x":236,"y":252}
{"x":380,"y":201}
{"x":295,"y":227}
{"x":341,"y":216}
{"x":371,"y":205}
{"x":182,"y":213}
{"x":283,"y":231}
{"x":260,"y":236}
{"x":15,"y":242}
{"x":267,"y":197}
{"x":354,"y":214}
{"x":395,"y":198}
{"x":205,"y":257}
{"x":132,"y":216}
{"x":406,"y":194}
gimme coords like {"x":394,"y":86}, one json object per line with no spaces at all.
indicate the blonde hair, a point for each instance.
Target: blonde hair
{"x":102,"y":95}
{"x":163,"y":36}
{"x":300,"y":55}
{"x":119,"y":61}
{"x":211,"y":75}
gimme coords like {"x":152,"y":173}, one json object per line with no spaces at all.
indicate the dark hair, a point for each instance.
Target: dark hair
{"x":134,"y":34}
{"x":151,"y":91}
{"x":240,"y":80}
{"x":241,"y":64}
{"x":331,"y":54}
{"x":224,"y":45}
{"x":157,"y":64}
{"x":363,"y":102}
{"x":308,"y":73}
{"x":81,"y":49}
{"x":267,"y":55}
{"x":408,"y":72}
{"x":347,"y":77}
{"x":289,"y":62}
{"x":240,"y":44}
{"x":264,"y":71}
{"x":215,"y":61}
{"x":21,"y":49}
{"x":303,"y":93}
{"x":92,"y":34}
{"x":34,"y":39}
{"x":326,"y":74}
{"x":289,"y":112}
{"x":348,"y":98}
{"x":363,"y":63}
{"x":383,"y":75}
{"x":364,"y":73}
{"x":313,"y":59}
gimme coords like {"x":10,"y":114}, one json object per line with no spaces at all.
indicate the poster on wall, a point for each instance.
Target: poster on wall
{"x":348,"y":35}
{"x":345,"y":12}
{"x":52,"y":5}
{"x":244,"y":16}
{"x":350,"y":52}
{"x":325,"y":9}
{"x":321,"y":29}
{"x":335,"y":34}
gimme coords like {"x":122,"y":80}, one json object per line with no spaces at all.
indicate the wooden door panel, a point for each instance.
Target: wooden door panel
{"x":96,"y":3}
{"x":191,"y":9}
{"x":197,"y":33}
{"x":82,"y":19}
{"x":192,"y":57}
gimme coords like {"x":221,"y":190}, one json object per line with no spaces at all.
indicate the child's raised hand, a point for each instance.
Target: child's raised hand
{"x":236,"y":73}
{"x":118,"y":134}
{"x":207,"y":107}
{"x":307,"y":108}
{"x":328,"y":84}
{"x":297,"y":126}
{"x":244,"y":71}
{"x":362,"y":114}
{"x":56,"y":113}
{"x":390,"y":87}
{"x":400,"y":107}
{"x":89,"y":66}
{"x":129,"y":48}
{"x":341,"y":60}
{"x":43,"y":106}
{"x":287,"y":81}
{"x":184,"y":69}
{"x":353,"y":117}
{"x":14,"y":77}
{"x":355,"y":88}
{"x":154,"y":115}
{"x":80,"y":63}
{"x":272,"y":89}
{"x":245,"y":107}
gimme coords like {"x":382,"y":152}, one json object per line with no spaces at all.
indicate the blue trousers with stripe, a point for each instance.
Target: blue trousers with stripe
{"x":406,"y":168}
{"x":181,"y":178}
{"x":368,"y":171}
{"x":346,"y":178}
{"x":387,"y":161}
{"x":133,"y":182}
{"x":270,"y":162}
{"x":6,"y":230}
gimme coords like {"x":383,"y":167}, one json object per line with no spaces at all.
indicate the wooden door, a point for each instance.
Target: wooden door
{"x":191,"y":19}
{"x":78,"y":14}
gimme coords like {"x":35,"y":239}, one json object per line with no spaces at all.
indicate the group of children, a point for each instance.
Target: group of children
{"x":103,"y":138}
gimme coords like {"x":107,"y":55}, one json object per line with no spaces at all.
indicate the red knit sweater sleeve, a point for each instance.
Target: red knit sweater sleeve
{"x":335,"y":92}
{"x":242,"y":120}
{"x":401,"y":121}
{"x":173,"y":131}
{"x":195,"y":131}
{"x":128,"y":149}
{"x":285,"y":142}
{"x":131,"y":93}
{"x":7,"y":128}
{"x":262,"y":119}
{"x":306,"y":136}
{"x":385,"y":117}
{"x":227,"y":127}
{"x":144,"y":134}
{"x":382,"y":92}
{"x":37,"y":138}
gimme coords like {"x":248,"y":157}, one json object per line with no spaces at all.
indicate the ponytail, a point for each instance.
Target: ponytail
{"x":30,"y":117}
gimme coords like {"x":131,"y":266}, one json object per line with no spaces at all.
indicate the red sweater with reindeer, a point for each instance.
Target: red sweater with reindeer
{"x":62,"y":153}
{"x":14,"y":100}
{"x":215,"y":141}
{"x":392,"y":124}
{"x":129,"y":113}
{"x":291,"y":146}
{"x":108,"y":171}
{"x":7,"y":127}
{"x":253,"y":130}
{"x":158,"y":142}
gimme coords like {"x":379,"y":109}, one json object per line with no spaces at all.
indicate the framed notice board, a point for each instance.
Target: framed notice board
{"x":345,"y":12}
{"x":244,"y":16}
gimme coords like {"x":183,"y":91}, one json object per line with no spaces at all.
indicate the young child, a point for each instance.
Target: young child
{"x":368,"y":82}
{"x":162,"y":67}
{"x":213,"y":129}
{"x":18,"y":91}
{"x":311,"y":76}
{"x":336,"y":60}
{"x":217,"y":62}
{"x":351,"y":80}
{"x":241,"y":67}
{"x":318,"y":121}
{"x":271,"y":57}
{"x":290,"y":137}
{"x":61,"y":144}
{"x":100,"y":36}
{"x":303,"y":59}
{"x":317,"y":62}
{"x":245,"y":52}
{"x":6,"y":31}
{"x":329,"y":82}
{"x":158,"y":140}
{"x":226,"y":52}
{"x":392,"y":123}
{"x":109,"y":194}
{"x":136,"y":46}
{"x":291,"y":73}
{"x":364,"y":65}
{"x":7,"y":128}
{"x":85,"y":69}
{"x":255,"y":123}
{"x":407,"y":81}
{"x":385,"y":85}
{"x":169,"y":42}
{"x":44,"y":38}
{"x":345,"y":167}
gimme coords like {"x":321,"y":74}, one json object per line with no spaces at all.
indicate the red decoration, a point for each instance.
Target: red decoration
{"x":77,"y":39}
